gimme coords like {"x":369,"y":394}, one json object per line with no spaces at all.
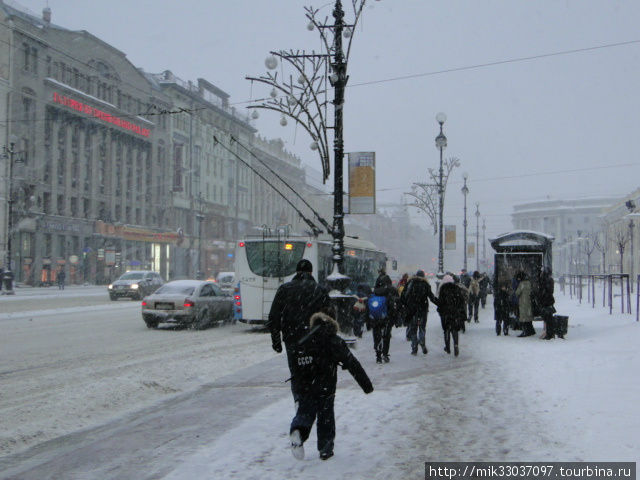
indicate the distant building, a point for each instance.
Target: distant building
{"x":567,"y":221}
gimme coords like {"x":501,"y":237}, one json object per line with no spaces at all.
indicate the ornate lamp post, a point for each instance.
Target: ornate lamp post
{"x":305,"y":101}
{"x":465,"y":192}
{"x":8,"y":272}
{"x":477,"y":236}
{"x":441,"y":144}
{"x":200,"y":274}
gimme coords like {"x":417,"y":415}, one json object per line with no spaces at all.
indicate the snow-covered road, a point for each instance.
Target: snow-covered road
{"x":183,"y":404}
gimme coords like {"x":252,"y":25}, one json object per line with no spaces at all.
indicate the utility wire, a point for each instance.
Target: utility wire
{"x":316,"y":231}
{"x":318,"y":216}
{"x":499,"y":62}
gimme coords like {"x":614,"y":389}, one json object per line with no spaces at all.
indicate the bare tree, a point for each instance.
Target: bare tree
{"x":621,"y":239}
{"x":588,"y":246}
{"x":601,"y":245}
{"x":425,"y":195}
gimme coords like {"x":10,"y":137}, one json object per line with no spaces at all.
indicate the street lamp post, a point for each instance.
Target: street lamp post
{"x":306,"y":102}
{"x":477,"y":236}
{"x":200,"y":218}
{"x":484,"y":245}
{"x":8,"y":273}
{"x":465,"y":192}
{"x":441,"y":144}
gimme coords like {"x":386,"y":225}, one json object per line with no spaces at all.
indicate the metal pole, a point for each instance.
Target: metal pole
{"x":340,"y":69}
{"x":631,"y":247}
{"x":440,"y":212}
{"x":441,"y":144}
{"x":465,"y":191}
{"x":484,"y":245}
{"x":477,"y":236}
{"x":8,"y":273}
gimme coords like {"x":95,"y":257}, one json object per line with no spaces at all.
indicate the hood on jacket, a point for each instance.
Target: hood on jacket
{"x":326,"y":324}
{"x":421,"y":279}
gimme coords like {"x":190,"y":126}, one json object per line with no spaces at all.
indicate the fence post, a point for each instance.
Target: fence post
{"x":628,"y":295}
{"x":610,"y":278}
{"x":593,"y":291}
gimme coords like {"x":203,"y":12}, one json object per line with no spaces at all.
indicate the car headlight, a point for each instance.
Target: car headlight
{"x":110,"y":287}
{"x":134,"y":286}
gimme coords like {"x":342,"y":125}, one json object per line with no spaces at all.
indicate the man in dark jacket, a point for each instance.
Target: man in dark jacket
{"x":315,"y":369}
{"x":546,"y":302}
{"x":292,"y":307}
{"x":415,"y":298}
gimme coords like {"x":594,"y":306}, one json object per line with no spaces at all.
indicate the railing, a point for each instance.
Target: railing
{"x":578,"y":283}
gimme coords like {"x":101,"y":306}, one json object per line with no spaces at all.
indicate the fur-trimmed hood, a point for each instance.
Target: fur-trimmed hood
{"x":327,"y":324}
{"x":421,"y":279}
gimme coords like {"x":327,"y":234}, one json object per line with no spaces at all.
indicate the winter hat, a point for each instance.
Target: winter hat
{"x":420,"y":273}
{"x":304,"y":265}
{"x":447,"y":279}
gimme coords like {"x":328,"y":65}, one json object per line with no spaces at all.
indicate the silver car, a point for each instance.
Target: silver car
{"x":195,"y":303}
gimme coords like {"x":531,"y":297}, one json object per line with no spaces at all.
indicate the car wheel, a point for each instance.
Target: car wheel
{"x":202,"y":320}
{"x":151,"y":322}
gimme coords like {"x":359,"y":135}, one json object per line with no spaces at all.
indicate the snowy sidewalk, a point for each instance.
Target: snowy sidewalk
{"x":504,"y":398}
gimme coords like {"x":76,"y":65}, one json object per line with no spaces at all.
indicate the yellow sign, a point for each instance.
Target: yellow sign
{"x":362,"y":182}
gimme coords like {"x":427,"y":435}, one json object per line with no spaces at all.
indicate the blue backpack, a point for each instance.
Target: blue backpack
{"x":377,"y":307}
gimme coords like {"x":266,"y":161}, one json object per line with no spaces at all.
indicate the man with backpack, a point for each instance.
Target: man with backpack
{"x":380,"y":306}
{"x":315,"y":369}
{"x":415,"y":298}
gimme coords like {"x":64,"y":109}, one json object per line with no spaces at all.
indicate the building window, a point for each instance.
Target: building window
{"x":60,"y":204}
{"x":26,"y":56}
{"x":46,"y":203}
{"x":177,"y":168}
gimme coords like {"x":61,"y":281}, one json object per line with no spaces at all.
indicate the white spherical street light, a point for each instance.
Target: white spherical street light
{"x":441,"y":118}
{"x":283,"y":121}
{"x":271,"y":62}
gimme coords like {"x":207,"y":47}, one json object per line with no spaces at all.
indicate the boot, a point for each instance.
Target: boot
{"x":455,"y":350}
{"x":378,"y":358}
{"x":424,"y":349}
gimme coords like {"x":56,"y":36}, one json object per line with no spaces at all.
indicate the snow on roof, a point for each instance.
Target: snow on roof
{"x":515,"y":232}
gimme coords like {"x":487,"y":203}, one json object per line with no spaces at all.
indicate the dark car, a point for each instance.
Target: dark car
{"x":135,"y":285}
{"x":194,"y":303}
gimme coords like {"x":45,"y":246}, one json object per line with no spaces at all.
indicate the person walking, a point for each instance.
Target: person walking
{"x":525,"y":310}
{"x":474,"y":296}
{"x":61,"y":277}
{"x":452,"y":311}
{"x":501,"y":307}
{"x":546,"y":302}
{"x":315,"y":367}
{"x":293,"y":305}
{"x":415,"y":299}
{"x":381,"y":315}
{"x":363,"y":291}
{"x":484,"y":288}
{"x":401,"y":313}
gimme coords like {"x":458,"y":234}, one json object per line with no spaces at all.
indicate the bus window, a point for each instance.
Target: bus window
{"x":274,"y":259}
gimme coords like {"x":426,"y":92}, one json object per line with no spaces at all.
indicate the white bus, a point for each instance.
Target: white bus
{"x":264,"y":262}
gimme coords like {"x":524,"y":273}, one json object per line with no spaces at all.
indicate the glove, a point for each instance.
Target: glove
{"x":277,"y":347}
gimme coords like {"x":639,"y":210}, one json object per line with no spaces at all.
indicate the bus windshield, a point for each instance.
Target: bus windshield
{"x":274,"y":259}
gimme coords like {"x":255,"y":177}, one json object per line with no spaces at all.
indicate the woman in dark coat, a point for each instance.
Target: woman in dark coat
{"x":501,"y":307}
{"x":452,"y":310}
{"x":546,"y":301}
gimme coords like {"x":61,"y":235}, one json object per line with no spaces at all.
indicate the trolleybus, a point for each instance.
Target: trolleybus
{"x":264,"y":262}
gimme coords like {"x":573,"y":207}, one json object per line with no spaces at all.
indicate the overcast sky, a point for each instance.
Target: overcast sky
{"x":560,"y":126}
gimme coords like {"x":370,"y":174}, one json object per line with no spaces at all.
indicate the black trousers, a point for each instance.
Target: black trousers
{"x":502,"y":324}
{"x":291,"y":359}
{"x":549,"y":324}
{"x":474,"y":301}
{"x":320,"y":407}
{"x":382,"y":337}
{"x":450,"y":329}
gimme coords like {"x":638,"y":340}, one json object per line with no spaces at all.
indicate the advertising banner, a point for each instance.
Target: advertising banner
{"x":449,"y":237}
{"x":471,"y":249}
{"x":362,"y":182}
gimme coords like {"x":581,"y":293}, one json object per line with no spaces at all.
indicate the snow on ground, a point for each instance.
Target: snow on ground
{"x":503,"y":399}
